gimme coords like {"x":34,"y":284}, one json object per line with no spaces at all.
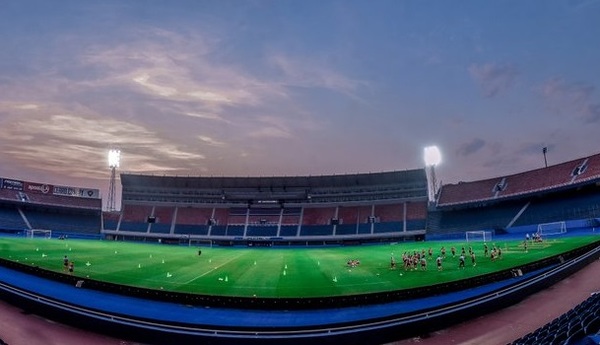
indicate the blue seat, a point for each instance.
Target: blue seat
{"x":575,"y":337}
{"x":592,"y":327}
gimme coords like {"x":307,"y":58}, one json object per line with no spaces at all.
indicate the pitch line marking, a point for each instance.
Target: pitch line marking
{"x":212,"y":269}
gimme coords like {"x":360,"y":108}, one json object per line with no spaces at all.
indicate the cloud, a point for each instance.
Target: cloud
{"x":81,"y":142}
{"x":493,"y":78}
{"x":304,"y":72}
{"x":568,"y":98}
{"x":592,"y":113}
{"x":471,"y":147}
{"x":210,"y":141}
{"x":26,"y":106}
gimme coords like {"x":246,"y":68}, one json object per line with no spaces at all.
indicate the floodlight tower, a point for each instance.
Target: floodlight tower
{"x":114,"y":157}
{"x":433,"y":157}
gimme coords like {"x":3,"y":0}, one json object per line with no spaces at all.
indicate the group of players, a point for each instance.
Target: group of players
{"x":418,"y":260}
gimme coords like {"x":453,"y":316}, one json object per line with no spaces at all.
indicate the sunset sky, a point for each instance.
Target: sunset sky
{"x":271,"y":88}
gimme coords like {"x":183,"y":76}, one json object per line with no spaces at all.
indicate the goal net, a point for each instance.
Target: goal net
{"x":555,"y":228}
{"x":199,"y":242}
{"x":478,"y":236}
{"x":38,"y":233}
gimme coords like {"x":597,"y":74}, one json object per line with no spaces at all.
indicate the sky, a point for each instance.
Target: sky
{"x":295,"y":88}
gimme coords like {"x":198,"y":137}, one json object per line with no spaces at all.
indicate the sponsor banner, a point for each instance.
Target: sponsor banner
{"x":89,"y":193}
{"x":76,"y":191}
{"x":12,"y":184}
{"x":37,"y":188}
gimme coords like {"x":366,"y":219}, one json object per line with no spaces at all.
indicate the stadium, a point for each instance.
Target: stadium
{"x":363,"y":258}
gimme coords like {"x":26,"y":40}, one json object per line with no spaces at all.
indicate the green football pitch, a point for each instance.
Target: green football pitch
{"x":272,"y":272}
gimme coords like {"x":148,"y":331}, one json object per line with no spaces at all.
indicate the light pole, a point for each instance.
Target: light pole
{"x":544,"y":150}
{"x":114,"y":157}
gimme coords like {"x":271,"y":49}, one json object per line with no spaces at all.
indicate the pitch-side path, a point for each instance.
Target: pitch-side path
{"x":18,"y":327}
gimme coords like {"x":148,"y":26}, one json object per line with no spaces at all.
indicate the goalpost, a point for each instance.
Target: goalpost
{"x":200,"y":242}
{"x":554,"y":228}
{"x":38,"y":233}
{"x":480,"y":236}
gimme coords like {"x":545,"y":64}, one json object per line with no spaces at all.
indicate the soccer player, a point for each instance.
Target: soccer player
{"x":392,"y":263}
{"x":461,"y":262}
{"x":439,"y":263}
{"x":485,"y":249}
{"x":71,"y":267}
{"x":473,"y":259}
{"x":453,"y":250}
{"x":423,"y":264}
{"x":65,"y":263}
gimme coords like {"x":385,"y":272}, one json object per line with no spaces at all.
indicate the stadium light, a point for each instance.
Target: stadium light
{"x":432,"y":157}
{"x":114,"y":158}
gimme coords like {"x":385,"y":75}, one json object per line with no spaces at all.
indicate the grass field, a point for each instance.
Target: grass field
{"x":270,"y":272}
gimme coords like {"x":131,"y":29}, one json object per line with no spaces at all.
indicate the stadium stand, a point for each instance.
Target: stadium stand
{"x":563,"y":192}
{"x":318,"y":215}
{"x":11,"y":219}
{"x":161,"y":219}
{"x":568,"y":174}
{"x":135,"y":218}
{"x":574,"y":327}
{"x":63,"y":220}
{"x":193,"y":221}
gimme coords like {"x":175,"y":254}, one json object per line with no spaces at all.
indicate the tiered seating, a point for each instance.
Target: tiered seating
{"x":237,"y":216}
{"x":579,"y":205}
{"x":261,"y":231}
{"x":163,"y":219}
{"x":346,"y":229}
{"x":592,"y":172}
{"x":135,"y":218}
{"x":572,"y":327}
{"x":221,"y":215}
{"x":111,"y":220}
{"x":416,"y":215}
{"x":316,"y":221}
{"x":218,"y":230}
{"x":466,"y":192}
{"x":291,"y":216}
{"x":365,"y":228}
{"x":477,"y":219}
{"x":390,"y":218}
{"x":235,"y":230}
{"x":288,"y":230}
{"x":389,"y":213}
{"x":193,"y":221}
{"x":316,"y":230}
{"x":10,"y":218}
{"x":318,"y":215}
{"x":540,"y":179}
{"x":63,"y":222}
{"x":520,"y":184}
{"x":349,"y":215}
